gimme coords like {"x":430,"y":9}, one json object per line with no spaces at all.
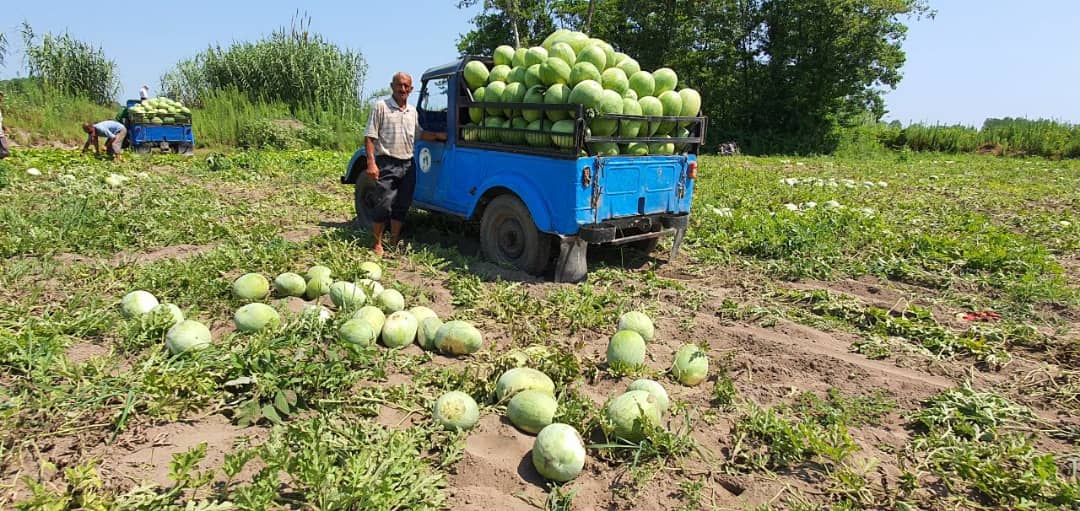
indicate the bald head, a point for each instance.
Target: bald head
{"x":401,"y":85}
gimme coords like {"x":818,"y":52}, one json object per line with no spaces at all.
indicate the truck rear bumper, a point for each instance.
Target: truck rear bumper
{"x":625,"y":230}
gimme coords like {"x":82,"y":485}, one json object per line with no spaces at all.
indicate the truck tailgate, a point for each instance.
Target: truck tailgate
{"x":639,"y":185}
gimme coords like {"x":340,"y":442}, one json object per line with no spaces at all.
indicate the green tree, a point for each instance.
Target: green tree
{"x":774,"y":75}
{"x":519,"y":23}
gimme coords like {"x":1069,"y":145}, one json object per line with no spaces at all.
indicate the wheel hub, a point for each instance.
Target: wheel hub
{"x":510,"y":238}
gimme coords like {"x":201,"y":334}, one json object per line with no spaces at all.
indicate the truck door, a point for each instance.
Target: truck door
{"x":432,"y":109}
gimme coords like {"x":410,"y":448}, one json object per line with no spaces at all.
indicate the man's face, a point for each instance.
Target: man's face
{"x":402,"y":87}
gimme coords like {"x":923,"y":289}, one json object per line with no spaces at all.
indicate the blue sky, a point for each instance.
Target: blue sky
{"x":976,"y":59}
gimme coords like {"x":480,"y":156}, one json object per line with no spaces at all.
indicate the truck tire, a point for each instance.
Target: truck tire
{"x":364,"y":200}
{"x":509,"y":236}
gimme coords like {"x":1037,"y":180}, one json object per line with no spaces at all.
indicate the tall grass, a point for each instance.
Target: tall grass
{"x":70,"y":67}
{"x":35,"y":115}
{"x":229,"y":117}
{"x":1009,"y":136}
{"x":292,"y":66}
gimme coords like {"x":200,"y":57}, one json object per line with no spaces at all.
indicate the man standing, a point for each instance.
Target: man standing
{"x":391,"y":131}
{"x":113,"y":132}
{"x":5,"y":146}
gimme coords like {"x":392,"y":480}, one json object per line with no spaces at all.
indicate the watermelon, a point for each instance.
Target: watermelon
{"x":535,"y":95}
{"x":558,"y":94}
{"x":593,"y":54}
{"x":565,"y":126}
{"x":476,"y":114}
{"x":558,"y":453}
{"x":532,"y":76}
{"x":517,"y":75}
{"x":643,"y":84}
{"x":399,"y":329}
{"x":587,"y":93}
{"x":456,"y":411}
{"x":499,"y":74}
{"x":610,"y":103}
{"x":615,"y":79}
{"x":583,"y":71}
{"x":666,"y":80}
{"x":629,"y":66}
{"x":630,"y":128}
{"x":650,"y":107}
{"x":539,"y":139}
{"x":554,"y":71}
{"x":503,"y":55}
{"x":563,"y":51}
{"x":519,"y":57}
{"x":672,"y":106}
{"x":638,"y":322}
{"x":513,"y":93}
{"x":535,"y":55}
{"x":476,"y":74}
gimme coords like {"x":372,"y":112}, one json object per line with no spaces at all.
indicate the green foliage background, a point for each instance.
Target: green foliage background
{"x":777,"y":76}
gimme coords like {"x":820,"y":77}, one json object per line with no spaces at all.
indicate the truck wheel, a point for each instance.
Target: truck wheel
{"x":509,"y":236}
{"x":364,"y":198}
{"x":143,"y":149}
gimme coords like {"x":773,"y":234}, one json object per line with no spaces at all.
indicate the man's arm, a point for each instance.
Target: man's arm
{"x":372,"y":168}
{"x":86,"y":146}
{"x":433,"y":136}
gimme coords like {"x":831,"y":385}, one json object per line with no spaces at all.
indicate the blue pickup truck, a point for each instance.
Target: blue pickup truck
{"x":144,"y":135}
{"x":545,"y":202}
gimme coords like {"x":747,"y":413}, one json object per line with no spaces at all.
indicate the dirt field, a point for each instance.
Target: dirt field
{"x":913,"y":346}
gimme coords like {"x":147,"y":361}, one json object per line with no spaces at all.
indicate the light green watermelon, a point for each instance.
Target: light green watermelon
{"x":615,"y":79}
{"x":494,"y":95}
{"x":564,"y":126}
{"x":539,"y":139}
{"x":499,"y":74}
{"x":554,"y":71}
{"x":476,"y":114}
{"x":629,"y":66}
{"x":610,"y":103}
{"x":535,"y":96}
{"x":630,"y":128}
{"x":587,"y":93}
{"x":532,"y":76}
{"x":503,"y":55}
{"x":583,"y":71}
{"x":593,"y":54}
{"x":672,"y":105}
{"x":513,"y":93}
{"x":563,"y":51}
{"x":643,"y":84}
{"x":558,"y":94}
{"x":535,"y":55}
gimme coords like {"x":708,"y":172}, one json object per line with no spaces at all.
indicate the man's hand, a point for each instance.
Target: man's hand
{"x":372,"y":171}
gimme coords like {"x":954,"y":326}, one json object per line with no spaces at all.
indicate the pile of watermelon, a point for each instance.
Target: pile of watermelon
{"x":570,"y":68}
{"x":161,"y":111}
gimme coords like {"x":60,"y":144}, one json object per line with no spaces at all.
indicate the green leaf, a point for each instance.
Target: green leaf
{"x":282,"y":403}
{"x":271,"y":414}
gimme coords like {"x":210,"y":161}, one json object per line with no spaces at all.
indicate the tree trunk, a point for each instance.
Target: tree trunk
{"x":511,"y":12}
{"x":588,"y":19}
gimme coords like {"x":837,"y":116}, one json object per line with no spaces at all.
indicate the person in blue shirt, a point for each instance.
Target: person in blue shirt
{"x":113,"y":132}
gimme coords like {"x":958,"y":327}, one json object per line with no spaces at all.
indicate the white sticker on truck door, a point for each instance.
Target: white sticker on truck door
{"x":425,"y":159}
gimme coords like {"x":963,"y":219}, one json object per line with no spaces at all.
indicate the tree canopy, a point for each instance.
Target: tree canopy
{"x":774,"y":75}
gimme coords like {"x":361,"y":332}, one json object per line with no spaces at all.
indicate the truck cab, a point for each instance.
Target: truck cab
{"x":534,"y":200}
